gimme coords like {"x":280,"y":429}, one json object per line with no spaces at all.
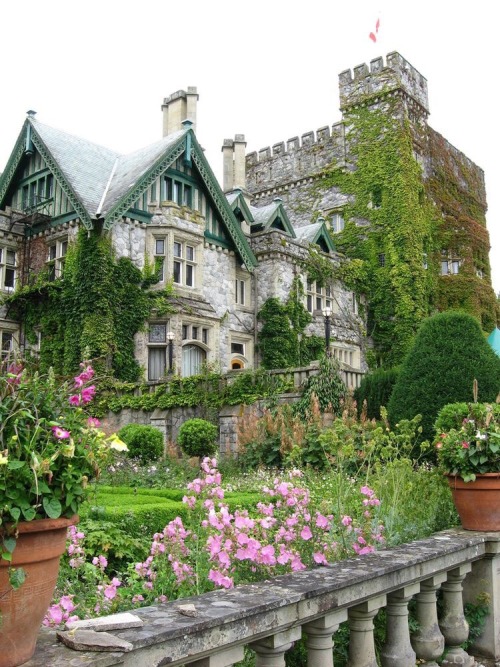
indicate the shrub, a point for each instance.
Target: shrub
{"x":197,"y":437}
{"x":376,"y":389}
{"x":144,"y":442}
{"x":327,"y":386}
{"x":448,"y":353}
{"x":453,"y":415}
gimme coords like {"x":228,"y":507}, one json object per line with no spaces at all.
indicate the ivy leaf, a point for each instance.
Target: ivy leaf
{"x":9,"y":544}
{"x":15,"y":513}
{"x":29,"y":513}
{"x":52,"y":507}
{"x":17,"y":577}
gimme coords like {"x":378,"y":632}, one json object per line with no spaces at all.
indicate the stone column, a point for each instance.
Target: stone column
{"x":484,"y":583}
{"x":361,"y":642}
{"x":397,"y":650}
{"x":428,"y":642}
{"x":319,"y":640}
{"x":270,"y":651}
{"x":453,"y":624}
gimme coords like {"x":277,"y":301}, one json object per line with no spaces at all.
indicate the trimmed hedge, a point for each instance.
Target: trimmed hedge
{"x":144,"y":442}
{"x":143,"y":512}
{"x":449,"y":352}
{"x":376,"y":389}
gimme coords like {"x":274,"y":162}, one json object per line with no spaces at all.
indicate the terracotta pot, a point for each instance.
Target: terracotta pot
{"x":38,"y":550}
{"x":478,"y":502}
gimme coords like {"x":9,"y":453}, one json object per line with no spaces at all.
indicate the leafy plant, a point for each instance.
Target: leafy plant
{"x":327,"y":386}
{"x":49,"y":447}
{"x":474,"y":448}
{"x":144,"y":443}
{"x":197,"y":437}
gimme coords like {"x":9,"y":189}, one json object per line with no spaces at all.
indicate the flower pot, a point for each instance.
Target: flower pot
{"x":478,"y":502}
{"x":39,"y":547}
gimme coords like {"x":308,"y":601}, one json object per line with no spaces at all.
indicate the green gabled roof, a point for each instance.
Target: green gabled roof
{"x":238,"y":205}
{"x":147,"y":164}
{"x":316,"y":234}
{"x":494,"y":340}
{"x":101,"y":183}
{"x":267,"y":217}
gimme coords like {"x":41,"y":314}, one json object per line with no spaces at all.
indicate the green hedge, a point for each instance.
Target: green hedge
{"x":147,"y":511}
{"x":376,"y":389}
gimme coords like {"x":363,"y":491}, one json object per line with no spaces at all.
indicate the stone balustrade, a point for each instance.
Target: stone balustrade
{"x":270,"y":616}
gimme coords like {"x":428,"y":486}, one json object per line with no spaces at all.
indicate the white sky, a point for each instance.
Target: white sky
{"x":267,"y":69}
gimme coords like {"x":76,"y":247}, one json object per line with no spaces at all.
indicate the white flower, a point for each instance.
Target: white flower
{"x":115,"y":443}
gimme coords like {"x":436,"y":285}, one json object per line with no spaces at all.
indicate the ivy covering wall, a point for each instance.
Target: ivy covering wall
{"x":93,"y":311}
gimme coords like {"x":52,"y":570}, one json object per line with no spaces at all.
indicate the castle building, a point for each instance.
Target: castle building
{"x":372,"y":224}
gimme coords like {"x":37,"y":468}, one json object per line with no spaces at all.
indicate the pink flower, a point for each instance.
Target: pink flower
{"x":346,"y":520}
{"x":88,"y":394}
{"x":93,"y":422}
{"x":74,"y":400}
{"x":321,"y":521}
{"x":319,"y":558}
{"x":465,"y":445}
{"x":267,"y":555}
{"x":60,"y":433}
{"x":54,"y":616}
{"x":305,"y":533}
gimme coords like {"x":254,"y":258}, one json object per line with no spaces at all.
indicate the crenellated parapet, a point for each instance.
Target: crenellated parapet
{"x":364,"y":83}
{"x":295,"y":159}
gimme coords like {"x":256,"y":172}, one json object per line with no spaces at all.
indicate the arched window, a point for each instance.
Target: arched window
{"x":192,"y":359}
{"x":237,"y":364}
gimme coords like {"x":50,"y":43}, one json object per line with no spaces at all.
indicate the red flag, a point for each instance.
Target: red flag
{"x":372,"y":37}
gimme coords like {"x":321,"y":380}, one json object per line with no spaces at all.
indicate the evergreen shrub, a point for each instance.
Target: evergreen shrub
{"x":145,"y":443}
{"x":376,"y":389}
{"x":198,"y":437}
{"x":453,"y":415}
{"x":449,"y":352}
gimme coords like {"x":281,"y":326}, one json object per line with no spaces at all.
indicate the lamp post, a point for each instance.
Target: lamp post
{"x":170,"y":338}
{"x":327,"y":314}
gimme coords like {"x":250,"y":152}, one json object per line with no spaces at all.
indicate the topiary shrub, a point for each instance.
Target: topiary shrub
{"x":449,"y":352}
{"x":197,"y":437}
{"x":144,"y":442}
{"x":376,"y":389}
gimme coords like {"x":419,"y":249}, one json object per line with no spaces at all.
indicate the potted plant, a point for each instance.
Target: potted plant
{"x":50,"y":448}
{"x":469,"y":455}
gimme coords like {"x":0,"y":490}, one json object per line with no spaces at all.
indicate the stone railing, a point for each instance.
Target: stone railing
{"x":270,"y":616}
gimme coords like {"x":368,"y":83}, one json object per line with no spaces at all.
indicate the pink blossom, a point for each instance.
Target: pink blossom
{"x":93,"y":422}
{"x":60,"y":433}
{"x":190,"y":501}
{"x":321,"y":521}
{"x":88,"y":394}
{"x":465,"y":445}
{"x":305,"y":533}
{"x":110,"y":589}
{"x":220,"y":580}
{"x":54,"y":616}
{"x":346,"y":520}
{"x":67,"y":603}
{"x":100,"y":561}
{"x":74,"y":400}
{"x":319,"y":558}
{"x":267,"y":556}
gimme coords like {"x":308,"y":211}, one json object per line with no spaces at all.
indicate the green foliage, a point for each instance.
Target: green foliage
{"x":280,"y":340}
{"x":327,"y":386}
{"x":208,"y":391}
{"x":92,"y":311}
{"x":107,"y":538}
{"x":197,"y":437}
{"x":144,"y":442}
{"x":452,"y":416}
{"x":375,"y":388}
{"x":448,"y":354}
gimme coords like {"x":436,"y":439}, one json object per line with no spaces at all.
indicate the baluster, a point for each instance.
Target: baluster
{"x":222,"y":659}
{"x":361,"y":643}
{"x":427,"y":641}
{"x":453,"y":624}
{"x":270,"y":651}
{"x":397,"y":650}
{"x":319,"y":641}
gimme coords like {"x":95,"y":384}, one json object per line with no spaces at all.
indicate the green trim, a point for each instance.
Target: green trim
{"x":324,"y":234}
{"x":240,"y":203}
{"x":13,"y":164}
{"x":278,"y":213}
{"x":217,"y":240}
{"x":139,"y":215}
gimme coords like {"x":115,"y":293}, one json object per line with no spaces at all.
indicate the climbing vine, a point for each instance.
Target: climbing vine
{"x":92,"y":311}
{"x":281,"y":340}
{"x":388,"y":230}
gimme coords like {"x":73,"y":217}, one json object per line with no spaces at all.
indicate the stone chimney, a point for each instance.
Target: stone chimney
{"x":178,"y":107}
{"x":233,"y":161}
